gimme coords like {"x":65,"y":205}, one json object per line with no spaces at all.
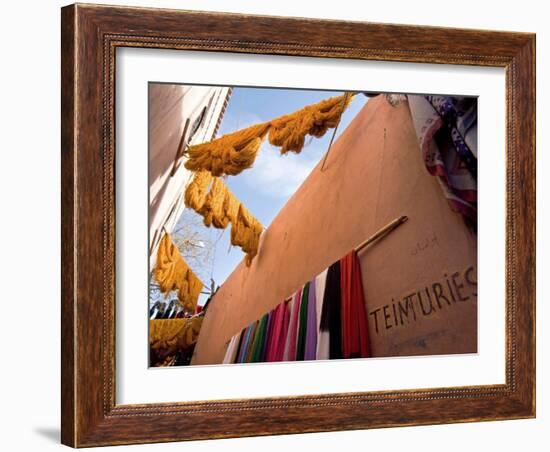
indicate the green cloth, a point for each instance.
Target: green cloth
{"x":302,"y":327}
{"x":259,"y":340}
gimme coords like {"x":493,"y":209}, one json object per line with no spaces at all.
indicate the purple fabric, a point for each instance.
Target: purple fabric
{"x":310,"y":352}
{"x":290,"y":345}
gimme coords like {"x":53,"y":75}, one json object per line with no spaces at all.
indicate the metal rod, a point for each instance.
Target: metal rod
{"x":329,"y":146}
{"x":335,"y":129}
{"x":382,"y":232}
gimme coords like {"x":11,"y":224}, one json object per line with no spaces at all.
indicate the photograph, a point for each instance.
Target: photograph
{"x":275,"y":220}
{"x":291,"y":224}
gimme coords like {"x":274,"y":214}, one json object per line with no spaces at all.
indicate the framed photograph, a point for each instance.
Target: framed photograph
{"x":282,"y":225}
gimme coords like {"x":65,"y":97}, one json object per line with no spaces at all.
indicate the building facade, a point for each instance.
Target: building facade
{"x":179,"y":115}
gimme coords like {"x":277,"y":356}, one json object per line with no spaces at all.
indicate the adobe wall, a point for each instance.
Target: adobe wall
{"x":374,"y":174}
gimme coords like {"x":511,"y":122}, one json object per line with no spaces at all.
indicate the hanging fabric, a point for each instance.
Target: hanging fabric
{"x":245,"y":343}
{"x":446,"y":128}
{"x":331,"y":316}
{"x":258,"y":343}
{"x":253,"y":333}
{"x":355,"y":334}
{"x":302,"y":324}
{"x":279,"y":332}
{"x":459,"y":116}
{"x":232,"y":153}
{"x":310,"y":348}
{"x":325,"y":319}
{"x":232,"y":349}
{"x":291,"y":338}
{"x":268,"y":336}
{"x":173,"y":273}
{"x":322,"y":336}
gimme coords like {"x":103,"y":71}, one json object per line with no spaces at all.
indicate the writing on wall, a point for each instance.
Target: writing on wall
{"x":452,"y":288}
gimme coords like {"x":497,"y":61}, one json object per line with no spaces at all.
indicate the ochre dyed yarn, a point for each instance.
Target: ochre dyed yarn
{"x":288,"y":132}
{"x":172,"y":273}
{"x":197,"y":190}
{"x":169,"y":269}
{"x":194,"y":287}
{"x":192,"y":330}
{"x":245,"y":232}
{"x":232,"y":153}
{"x":212,"y":209}
{"x":221,"y":206}
{"x":169,"y":336}
{"x":229,"y":154}
{"x":230,"y":209}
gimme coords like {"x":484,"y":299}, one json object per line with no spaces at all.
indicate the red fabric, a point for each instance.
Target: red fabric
{"x":279,"y":332}
{"x":355,"y":330}
{"x":284,"y":333}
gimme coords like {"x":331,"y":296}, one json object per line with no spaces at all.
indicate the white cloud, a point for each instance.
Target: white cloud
{"x":242,"y":120}
{"x":279,"y":175}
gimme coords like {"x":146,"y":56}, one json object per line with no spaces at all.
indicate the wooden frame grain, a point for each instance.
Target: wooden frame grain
{"x":90,"y":35}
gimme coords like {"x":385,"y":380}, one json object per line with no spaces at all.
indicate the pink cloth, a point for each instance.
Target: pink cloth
{"x":292,"y":334}
{"x":284,"y":331}
{"x":278,"y":333}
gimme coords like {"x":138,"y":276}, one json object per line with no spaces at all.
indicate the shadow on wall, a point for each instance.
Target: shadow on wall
{"x":50,"y":433}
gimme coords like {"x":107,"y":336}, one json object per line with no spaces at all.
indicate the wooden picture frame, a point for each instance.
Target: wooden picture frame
{"x":90,"y":36}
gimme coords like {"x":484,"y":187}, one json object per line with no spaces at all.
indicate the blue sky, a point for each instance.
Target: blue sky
{"x":266,"y":187}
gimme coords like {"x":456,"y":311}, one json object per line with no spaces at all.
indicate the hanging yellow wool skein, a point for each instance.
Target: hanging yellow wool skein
{"x":197,"y":190}
{"x":232,"y":153}
{"x":288,"y":132}
{"x":212,"y":209}
{"x":230,"y":210}
{"x":229,"y":154}
{"x":172,"y":273}
{"x":218,"y":207}
{"x":221,"y":207}
{"x":245,"y":232}
{"x":168,"y":336}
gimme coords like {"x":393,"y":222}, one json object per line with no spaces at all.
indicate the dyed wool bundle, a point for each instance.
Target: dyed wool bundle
{"x":220,"y":207}
{"x":196,"y":191}
{"x":235,"y":152}
{"x":168,"y":336}
{"x":245,"y":232}
{"x":172,"y":273}
{"x":212,"y":208}
{"x":230,"y":209}
{"x":288,"y":132}
{"x":229,"y":154}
